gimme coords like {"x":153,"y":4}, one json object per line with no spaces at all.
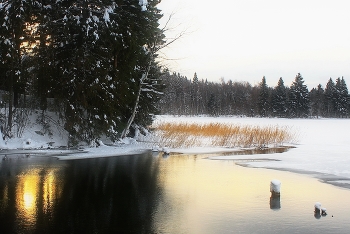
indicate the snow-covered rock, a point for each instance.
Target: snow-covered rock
{"x":166,"y":150}
{"x":317,"y":207}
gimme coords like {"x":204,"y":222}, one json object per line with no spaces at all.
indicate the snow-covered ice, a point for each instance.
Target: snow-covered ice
{"x":322,"y":147}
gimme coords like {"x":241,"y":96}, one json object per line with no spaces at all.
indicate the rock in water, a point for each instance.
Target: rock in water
{"x":317,"y":207}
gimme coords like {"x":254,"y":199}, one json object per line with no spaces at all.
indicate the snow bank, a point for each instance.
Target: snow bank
{"x":105,"y":151}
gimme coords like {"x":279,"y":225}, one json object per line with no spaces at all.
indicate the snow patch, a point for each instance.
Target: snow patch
{"x":143,"y":4}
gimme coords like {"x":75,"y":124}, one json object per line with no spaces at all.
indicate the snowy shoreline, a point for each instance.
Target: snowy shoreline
{"x":322,"y":149}
{"x":70,"y":154}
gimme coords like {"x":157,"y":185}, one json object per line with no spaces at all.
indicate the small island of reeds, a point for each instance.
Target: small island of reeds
{"x":179,"y":135}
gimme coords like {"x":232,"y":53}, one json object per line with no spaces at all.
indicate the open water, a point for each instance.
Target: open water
{"x":155,"y":194}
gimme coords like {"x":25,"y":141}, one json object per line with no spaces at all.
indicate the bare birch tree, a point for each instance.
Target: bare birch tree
{"x":153,"y":49}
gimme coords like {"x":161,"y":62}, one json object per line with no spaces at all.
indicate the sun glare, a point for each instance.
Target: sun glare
{"x":36,"y":192}
{"x":27,"y":195}
{"x":29,"y":200}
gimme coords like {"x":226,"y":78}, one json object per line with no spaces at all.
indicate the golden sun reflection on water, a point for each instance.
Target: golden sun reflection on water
{"x":36,"y":191}
{"x":51,"y":191}
{"x":26,"y":196}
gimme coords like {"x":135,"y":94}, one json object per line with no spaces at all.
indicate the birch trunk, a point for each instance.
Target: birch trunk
{"x":134,"y":111}
{"x":153,"y":50}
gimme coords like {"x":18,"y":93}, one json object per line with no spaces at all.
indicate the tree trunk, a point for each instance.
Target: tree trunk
{"x":10,"y":116}
{"x":115,"y":60}
{"x":132,"y":117}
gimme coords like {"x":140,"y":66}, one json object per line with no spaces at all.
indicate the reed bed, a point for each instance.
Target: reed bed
{"x":219,"y":134}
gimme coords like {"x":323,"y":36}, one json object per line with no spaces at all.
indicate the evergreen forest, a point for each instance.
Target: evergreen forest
{"x":92,"y":63}
{"x":94,"y":66}
{"x":183,"y":96}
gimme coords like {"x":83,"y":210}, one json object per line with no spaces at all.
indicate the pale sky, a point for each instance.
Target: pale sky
{"x":244,"y":40}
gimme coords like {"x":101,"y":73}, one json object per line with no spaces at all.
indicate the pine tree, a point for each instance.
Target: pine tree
{"x":279,"y":100}
{"x":14,"y":41}
{"x":263,"y":103}
{"x":43,"y":57}
{"x":299,"y":102}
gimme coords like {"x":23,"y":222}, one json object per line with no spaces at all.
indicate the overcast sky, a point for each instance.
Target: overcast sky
{"x":244,"y":40}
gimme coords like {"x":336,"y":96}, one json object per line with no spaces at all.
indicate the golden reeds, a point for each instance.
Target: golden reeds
{"x":221,"y":134}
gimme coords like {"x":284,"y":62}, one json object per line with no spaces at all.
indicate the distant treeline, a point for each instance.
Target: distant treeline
{"x":196,"y":97}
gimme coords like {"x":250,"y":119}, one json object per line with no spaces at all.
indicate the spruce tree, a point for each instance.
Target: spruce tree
{"x":329,"y":102}
{"x":263,"y":102}
{"x":317,"y":101}
{"x":195,"y":94}
{"x":299,"y":102}
{"x":81,"y":82}
{"x":341,"y":98}
{"x":279,"y":100}
{"x":345,"y":95}
{"x":91,"y":57}
{"x":151,"y":41}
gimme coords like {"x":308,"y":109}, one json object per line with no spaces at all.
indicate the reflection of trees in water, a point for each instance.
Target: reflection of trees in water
{"x":7,"y":205}
{"x":118,"y":194}
{"x":115,"y":195}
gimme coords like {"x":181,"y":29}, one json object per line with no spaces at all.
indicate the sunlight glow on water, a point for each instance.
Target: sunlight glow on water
{"x":36,"y":192}
{"x":51,"y":191}
{"x":219,"y":196}
{"x":26,"y":200}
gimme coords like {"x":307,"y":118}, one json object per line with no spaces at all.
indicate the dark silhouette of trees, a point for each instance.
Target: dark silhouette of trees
{"x":243,"y":99}
{"x":317,"y":100}
{"x":341,"y":98}
{"x":329,"y":94}
{"x":95,"y":59}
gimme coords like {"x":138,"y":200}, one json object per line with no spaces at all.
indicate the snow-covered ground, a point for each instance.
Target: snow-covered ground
{"x":52,"y":142}
{"x":322,"y":147}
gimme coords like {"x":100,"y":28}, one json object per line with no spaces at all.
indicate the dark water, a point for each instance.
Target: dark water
{"x":152,"y":194}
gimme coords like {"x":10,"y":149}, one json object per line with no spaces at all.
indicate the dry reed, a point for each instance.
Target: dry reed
{"x":220,"y":134}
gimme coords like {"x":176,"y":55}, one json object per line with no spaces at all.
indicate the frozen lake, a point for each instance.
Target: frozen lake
{"x":152,"y":194}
